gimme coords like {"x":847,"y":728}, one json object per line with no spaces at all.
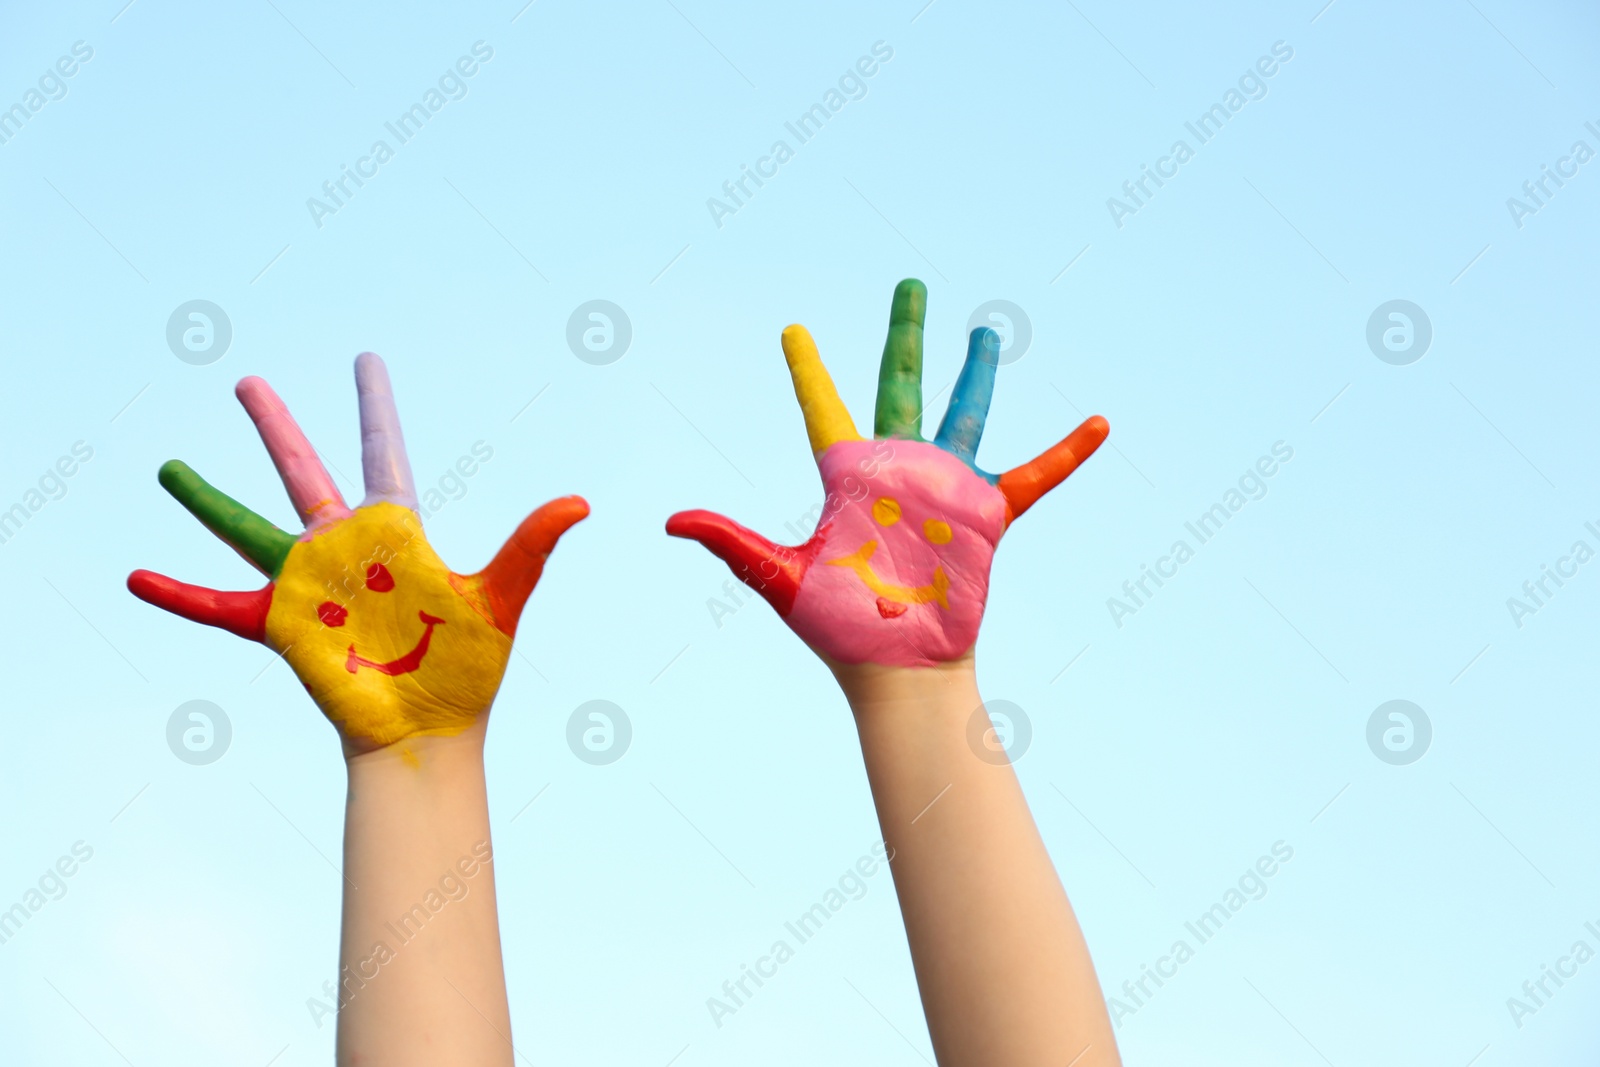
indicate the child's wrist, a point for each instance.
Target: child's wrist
{"x":429,"y":754}
{"x":872,"y":689}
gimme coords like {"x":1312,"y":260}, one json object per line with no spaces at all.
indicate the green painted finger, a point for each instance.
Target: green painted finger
{"x":899,"y":412}
{"x":247,"y":533}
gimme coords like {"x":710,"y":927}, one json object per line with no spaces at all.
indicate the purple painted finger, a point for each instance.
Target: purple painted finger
{"x":314,"y":496}
{"x":384,"y":466}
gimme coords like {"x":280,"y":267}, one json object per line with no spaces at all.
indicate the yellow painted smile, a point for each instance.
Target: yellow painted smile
{"x":860,"y":561}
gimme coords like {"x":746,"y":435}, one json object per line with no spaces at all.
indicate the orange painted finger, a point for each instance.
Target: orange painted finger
{"x":1023,"y":486}
{"x":508,"y":580}
{"x":244,"y":614}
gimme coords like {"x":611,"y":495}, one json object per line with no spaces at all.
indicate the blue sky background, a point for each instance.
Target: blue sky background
{"x":1167,"y":754}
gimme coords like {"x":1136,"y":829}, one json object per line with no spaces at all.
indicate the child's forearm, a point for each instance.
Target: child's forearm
{"x":420,"y":973}
{"x":1004,"y":972}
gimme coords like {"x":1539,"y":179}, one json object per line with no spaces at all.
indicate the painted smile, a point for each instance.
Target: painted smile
{"x":894,"y":599}
{"x":406,"y":663}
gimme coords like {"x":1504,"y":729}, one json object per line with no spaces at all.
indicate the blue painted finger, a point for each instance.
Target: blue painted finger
{"x":962,"y":426}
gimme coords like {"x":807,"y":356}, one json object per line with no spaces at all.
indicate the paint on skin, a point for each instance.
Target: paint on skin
{"x":934,"y":592}
{"x":389,"y":641}
{"x":910,"y":527}
{"x":406,"y":663}
{"x":386,"y":672}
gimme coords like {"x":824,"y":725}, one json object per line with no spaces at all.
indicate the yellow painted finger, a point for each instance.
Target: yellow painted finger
{"x":827,"y":419}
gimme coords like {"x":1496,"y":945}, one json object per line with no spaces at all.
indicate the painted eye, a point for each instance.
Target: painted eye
{"x":937,"y":532}
{"x":379,"y":580}
{"x":886,"y":511}
{"x":331,"y":614}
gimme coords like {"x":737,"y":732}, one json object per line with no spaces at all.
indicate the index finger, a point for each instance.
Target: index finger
{"x":384,"y":466}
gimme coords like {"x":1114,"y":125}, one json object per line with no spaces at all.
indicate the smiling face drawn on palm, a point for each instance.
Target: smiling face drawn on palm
{"x":897,"y":572}
{"x":388,"y":641}
{"x":901,"y":568}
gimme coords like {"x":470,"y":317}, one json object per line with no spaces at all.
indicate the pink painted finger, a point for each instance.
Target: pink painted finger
{"x":384,"y":466}
{"x":312,"y":492}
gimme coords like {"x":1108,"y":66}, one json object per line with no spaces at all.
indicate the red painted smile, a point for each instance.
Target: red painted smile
{"x":406,"y":663}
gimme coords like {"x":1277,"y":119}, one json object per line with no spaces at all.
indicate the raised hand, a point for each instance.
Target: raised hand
{"x":389,"y":642}
{"x":897,"y":572}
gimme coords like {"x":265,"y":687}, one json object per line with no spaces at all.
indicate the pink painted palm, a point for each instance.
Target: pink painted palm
{"x":897,"y":572}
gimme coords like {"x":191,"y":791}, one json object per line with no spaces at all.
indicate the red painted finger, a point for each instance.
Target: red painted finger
{"x":1024,"y":485}
{"x":508,"y":580}
{"x":244,"y":614}
{"x":771,"y":569}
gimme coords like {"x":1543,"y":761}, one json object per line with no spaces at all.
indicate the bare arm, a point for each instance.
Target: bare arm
{"x":404,"y":656}
{"x":890,"y":591}
{"x":420,"y":973}
{"x":1004,"y":972}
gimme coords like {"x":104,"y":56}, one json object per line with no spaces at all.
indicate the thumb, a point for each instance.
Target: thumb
{"x":771,"y":569}
{"x":1023,"y":486}
{"x":510,"y":577}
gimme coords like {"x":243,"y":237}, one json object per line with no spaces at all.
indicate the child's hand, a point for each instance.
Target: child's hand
{"x":388,"y":641}
{"x":897,"y":572}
